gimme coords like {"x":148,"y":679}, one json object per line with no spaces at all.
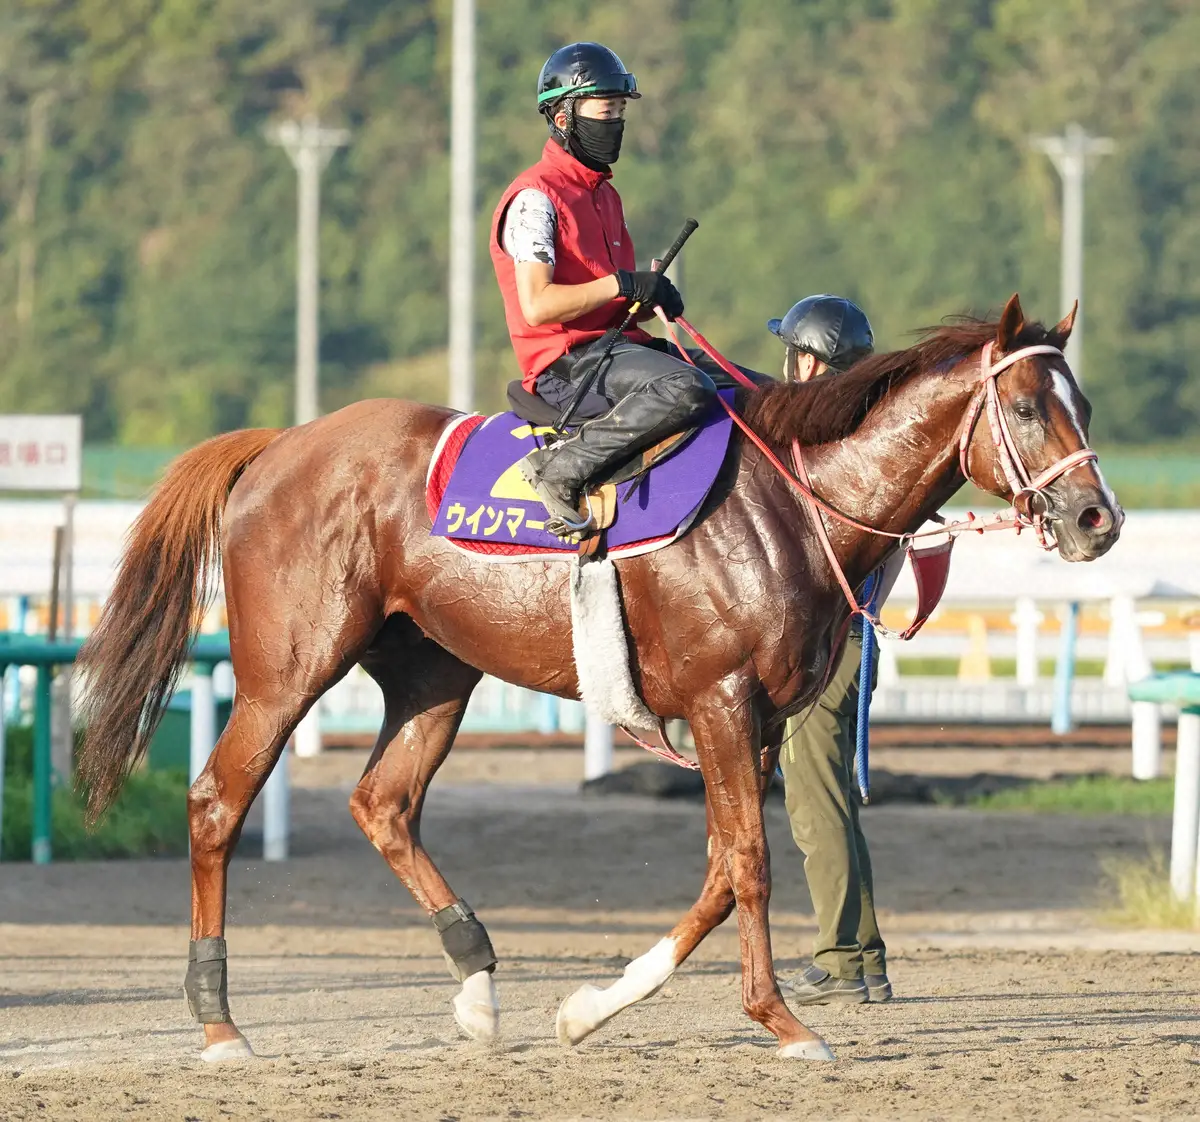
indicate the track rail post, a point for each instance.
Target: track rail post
{"x":41,"y":767}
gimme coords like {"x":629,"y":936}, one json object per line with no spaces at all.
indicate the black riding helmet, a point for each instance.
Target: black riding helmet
{"x":830,"y":328}
{"x":582,"y":70}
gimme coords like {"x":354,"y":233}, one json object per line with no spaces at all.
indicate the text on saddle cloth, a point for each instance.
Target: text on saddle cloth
{"x":485,"y":499}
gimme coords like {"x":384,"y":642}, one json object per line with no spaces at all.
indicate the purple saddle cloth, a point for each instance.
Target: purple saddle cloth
{"x":488,"y":504}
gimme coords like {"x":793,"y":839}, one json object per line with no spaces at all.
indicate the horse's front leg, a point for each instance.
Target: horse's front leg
{"x":725,"y":729}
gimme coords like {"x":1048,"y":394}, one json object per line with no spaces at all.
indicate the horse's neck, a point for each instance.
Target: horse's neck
{"x":897,"y":468}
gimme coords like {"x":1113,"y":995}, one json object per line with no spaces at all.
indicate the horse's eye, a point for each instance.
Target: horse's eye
{"x":1024,"y":410}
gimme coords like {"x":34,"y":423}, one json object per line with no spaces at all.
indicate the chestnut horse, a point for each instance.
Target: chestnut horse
{"x":329,"y":561}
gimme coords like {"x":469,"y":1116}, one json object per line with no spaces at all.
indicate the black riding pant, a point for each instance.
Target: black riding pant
{"x":642,"y":396}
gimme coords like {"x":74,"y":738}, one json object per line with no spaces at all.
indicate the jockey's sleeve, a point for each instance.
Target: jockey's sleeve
{"x":530,"y":227}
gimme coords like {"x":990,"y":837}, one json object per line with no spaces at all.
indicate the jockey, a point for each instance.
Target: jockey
{"x":565,"y":263}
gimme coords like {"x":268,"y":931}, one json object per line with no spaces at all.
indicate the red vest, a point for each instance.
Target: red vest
{"x":591,"y":242}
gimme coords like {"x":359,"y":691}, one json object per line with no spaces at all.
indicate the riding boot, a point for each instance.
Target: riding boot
{"x":561,"y":473}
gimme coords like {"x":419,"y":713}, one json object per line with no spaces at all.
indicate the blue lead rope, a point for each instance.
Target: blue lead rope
{"x":863,"y":731}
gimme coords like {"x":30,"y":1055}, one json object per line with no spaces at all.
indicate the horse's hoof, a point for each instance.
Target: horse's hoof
{"x":578,"y":1016}
{"x":236,"y":1049}
{"x":806,"y":1050}
{"x":477,"y":1008}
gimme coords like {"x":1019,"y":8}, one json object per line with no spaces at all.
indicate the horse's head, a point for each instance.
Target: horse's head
{"x":1033,"y":449}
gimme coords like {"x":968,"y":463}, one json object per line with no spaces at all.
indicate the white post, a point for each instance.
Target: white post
{"x":62,"y":745}
{"x":1070,"y":154}
{"x":310,"y":148}
{"x":204,"y":721}
{"x":1027,"y":618}
{"x":68,"y":591}
{"x":889,"y":664}
{"x":1186,"y":819}
{"x":597,"y":748}
{"x":1126,"y":659}
{"x":308,"y":732}
{"x":1070,"y":167}
{"x":276,"y":805}
{"x":1147,"y":739}
{"x":308,"y":270}
{"x":462,"y":207}
{"x":1129,"y":662}
{"x":224,"y":683}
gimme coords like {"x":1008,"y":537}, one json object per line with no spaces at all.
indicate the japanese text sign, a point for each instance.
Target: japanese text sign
{"x":41,"y":453}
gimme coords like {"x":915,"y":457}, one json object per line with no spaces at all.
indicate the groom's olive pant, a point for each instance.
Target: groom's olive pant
{"x":822,"y":804}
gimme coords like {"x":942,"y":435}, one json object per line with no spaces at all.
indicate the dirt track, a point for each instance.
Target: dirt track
{"x":1013,"y":1004}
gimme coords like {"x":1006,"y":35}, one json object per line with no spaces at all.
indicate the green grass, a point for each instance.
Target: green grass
{"x":1138,"y":894}
{"x":934,"y":667}
{"x":148,"y":820}
{"x":1086,"y":795}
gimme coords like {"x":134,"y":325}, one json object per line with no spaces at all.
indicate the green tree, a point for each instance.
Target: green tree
{"x":878,"y":148}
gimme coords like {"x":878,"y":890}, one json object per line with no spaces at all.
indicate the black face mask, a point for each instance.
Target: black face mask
{"x":596,"y":144}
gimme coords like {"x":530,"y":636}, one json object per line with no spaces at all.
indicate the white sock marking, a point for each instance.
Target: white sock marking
{"x":642,"y":977}
{"x":588,"y":1007}
{"x":477,"y":1007}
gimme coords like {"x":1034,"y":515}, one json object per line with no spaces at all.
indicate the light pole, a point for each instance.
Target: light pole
{"x":310,"y":148}
{"x":462,"y":207}
{"x":1070,"y":153}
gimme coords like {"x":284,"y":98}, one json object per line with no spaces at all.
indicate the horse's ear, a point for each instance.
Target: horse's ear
{"x":1011,"y":321}
{"x":1061,"y":331}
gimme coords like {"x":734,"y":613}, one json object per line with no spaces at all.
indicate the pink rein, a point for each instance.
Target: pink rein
{"x":1017,"y":475}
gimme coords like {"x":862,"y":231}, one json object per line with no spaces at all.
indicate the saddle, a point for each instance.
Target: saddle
{"x":478,"y":498}
{"x":601,"y":499}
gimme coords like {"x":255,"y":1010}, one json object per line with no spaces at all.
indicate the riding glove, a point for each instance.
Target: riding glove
{"x":651,"y":289}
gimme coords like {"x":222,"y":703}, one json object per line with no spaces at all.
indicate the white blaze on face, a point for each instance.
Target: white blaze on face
{"x":1063,"y":387}
{"x":1064,"y":390}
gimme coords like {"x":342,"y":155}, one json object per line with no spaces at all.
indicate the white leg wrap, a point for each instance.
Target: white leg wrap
{"x":806,"y":1050}
{"x":477,"y":1007}
{"x":588,"y":1007}
{"x":236,"y":1049}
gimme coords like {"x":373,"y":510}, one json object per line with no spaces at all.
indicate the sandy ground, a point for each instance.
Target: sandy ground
{"x":1013,"y":1001}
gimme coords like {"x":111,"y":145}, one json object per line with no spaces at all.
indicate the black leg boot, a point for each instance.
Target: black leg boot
{"x":639,"y":420}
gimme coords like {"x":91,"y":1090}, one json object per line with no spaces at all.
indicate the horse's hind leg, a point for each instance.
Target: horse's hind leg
{"x":426,"y":690}
{"x":738,"y":871}
{"x":279,"y":676}
{"x":589,"y":1007}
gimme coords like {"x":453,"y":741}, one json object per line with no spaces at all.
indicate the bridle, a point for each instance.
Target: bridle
{"x":931,"y":565}
{"x":1025,"y":488}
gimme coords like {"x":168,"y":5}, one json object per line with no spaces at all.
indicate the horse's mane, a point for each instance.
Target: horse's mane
{"x":830,"y":408}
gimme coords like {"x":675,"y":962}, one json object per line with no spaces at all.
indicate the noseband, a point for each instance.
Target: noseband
{"x":1025,"y":488}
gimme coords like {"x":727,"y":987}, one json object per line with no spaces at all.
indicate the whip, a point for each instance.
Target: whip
{"x":610,"y":338}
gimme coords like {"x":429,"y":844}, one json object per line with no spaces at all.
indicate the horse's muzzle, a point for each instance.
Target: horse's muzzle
{"x":1087,"y":527}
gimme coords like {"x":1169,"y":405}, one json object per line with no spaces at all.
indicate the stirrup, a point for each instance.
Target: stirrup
{"x":570,"y":531}
{"x":564,"y":521}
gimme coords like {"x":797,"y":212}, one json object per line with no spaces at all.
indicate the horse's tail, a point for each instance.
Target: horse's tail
{"x":133,"y":659}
